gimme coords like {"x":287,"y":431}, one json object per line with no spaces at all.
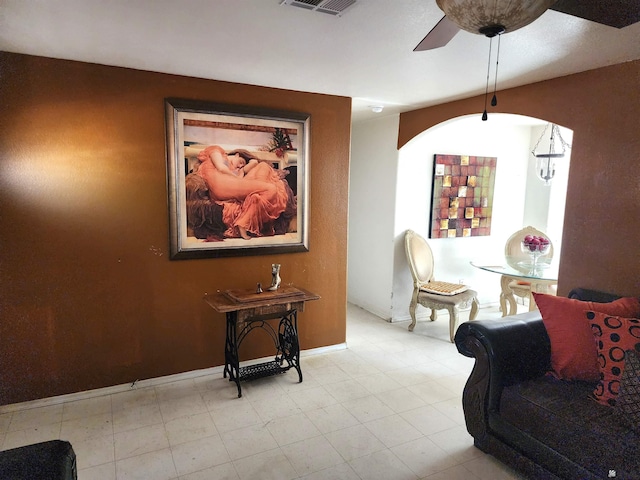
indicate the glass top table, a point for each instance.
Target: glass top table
{"x":520,"y":275}
{"x":521,"y":269}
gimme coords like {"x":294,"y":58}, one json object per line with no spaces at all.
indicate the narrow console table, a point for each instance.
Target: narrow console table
{"x":247,"y":310}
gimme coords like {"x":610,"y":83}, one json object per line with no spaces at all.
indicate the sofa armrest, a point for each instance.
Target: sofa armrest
{"x":507,"y":351}
{"x":517,"y":347}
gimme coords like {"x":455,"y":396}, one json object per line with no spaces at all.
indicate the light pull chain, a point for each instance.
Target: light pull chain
{"x":486,"y":90}
{"x":494,"y":100}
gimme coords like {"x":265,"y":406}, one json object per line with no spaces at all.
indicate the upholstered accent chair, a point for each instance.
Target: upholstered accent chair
{"x":513,"y":287}
{"x":431,"y":293}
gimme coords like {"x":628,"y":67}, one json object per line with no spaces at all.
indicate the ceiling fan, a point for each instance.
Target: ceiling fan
{"x":495,"y":17}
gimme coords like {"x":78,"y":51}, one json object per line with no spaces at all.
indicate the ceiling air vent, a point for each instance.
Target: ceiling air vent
{"x":332,"y":7}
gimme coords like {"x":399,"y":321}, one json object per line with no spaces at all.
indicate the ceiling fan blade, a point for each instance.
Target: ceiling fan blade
{"x":614,"y":13}
{"x":439,"y":35}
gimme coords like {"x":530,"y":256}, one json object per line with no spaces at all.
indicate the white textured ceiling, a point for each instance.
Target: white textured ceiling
{"x":366,"y":54}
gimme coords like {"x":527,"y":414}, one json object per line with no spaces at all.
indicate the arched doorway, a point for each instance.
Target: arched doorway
{"x":520,"y":197}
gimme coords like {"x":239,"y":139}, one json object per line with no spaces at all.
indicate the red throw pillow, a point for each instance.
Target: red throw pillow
{"x":573,"y":349}
{"x":614,"y":336}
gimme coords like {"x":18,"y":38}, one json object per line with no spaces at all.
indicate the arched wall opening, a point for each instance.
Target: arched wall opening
{"x":520,"y":198}
{"x":601,"y":107}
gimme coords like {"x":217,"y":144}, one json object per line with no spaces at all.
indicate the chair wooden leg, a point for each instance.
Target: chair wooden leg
{"x":513,"y":307}
{"x":507,"y":294}
{"x":453,"y":321}
{"x":532,"y":302}
{"x":434,"y":314}
{"x":412,"y":310}
{"x":474,"y":309}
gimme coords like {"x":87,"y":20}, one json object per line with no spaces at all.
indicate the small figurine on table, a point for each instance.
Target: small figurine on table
{"x":275,"y":277}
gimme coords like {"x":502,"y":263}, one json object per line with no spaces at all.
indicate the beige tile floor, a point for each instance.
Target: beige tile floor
{"x":387,"y":408}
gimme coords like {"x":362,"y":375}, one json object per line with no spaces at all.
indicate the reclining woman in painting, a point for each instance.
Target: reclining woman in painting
{"x":251,"y":192}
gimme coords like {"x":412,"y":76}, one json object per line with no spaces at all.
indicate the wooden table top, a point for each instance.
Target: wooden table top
{"x":243,"y":299}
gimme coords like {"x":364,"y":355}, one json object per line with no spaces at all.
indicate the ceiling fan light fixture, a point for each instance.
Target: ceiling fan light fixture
{"x":492,"y":30}
{"x":476,"y":15}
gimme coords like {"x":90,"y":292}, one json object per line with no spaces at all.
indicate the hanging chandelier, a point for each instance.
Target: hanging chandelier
{"x":546,"y":161}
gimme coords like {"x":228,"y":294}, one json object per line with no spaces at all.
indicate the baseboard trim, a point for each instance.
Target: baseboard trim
{"x":371,"y":308}
{"x":151,"y":382}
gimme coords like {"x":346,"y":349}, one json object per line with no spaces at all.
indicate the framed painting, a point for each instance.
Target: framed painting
{"x":237,"y":180}
{"x":462,"y":201}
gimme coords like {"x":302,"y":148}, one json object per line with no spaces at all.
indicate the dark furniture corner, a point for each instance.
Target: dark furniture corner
{"x":52,"y":460}
{"x":542,"y":427}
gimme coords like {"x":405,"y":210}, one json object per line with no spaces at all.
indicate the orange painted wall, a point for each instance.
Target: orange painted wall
{"x":600,"y":246}
{"x":88,"y":295}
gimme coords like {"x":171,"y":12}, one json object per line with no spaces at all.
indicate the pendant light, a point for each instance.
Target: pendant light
{"x":546,"y":161}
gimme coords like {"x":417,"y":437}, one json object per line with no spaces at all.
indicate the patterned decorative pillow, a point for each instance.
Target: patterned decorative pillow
{"x":628,"y":401}
{"x":614,"y":336}
{"x":573,"y":351}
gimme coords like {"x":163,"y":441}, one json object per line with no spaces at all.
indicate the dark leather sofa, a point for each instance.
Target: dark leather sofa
{"x":542,"y":427}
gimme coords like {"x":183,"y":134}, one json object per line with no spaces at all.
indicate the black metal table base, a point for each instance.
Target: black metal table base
{"x":285,"y":340}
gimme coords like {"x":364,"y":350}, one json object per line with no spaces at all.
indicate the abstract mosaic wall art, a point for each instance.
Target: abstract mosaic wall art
{"x":462,"y":201}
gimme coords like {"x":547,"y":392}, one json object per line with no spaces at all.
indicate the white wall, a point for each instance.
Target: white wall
{"x":372,"y":197}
